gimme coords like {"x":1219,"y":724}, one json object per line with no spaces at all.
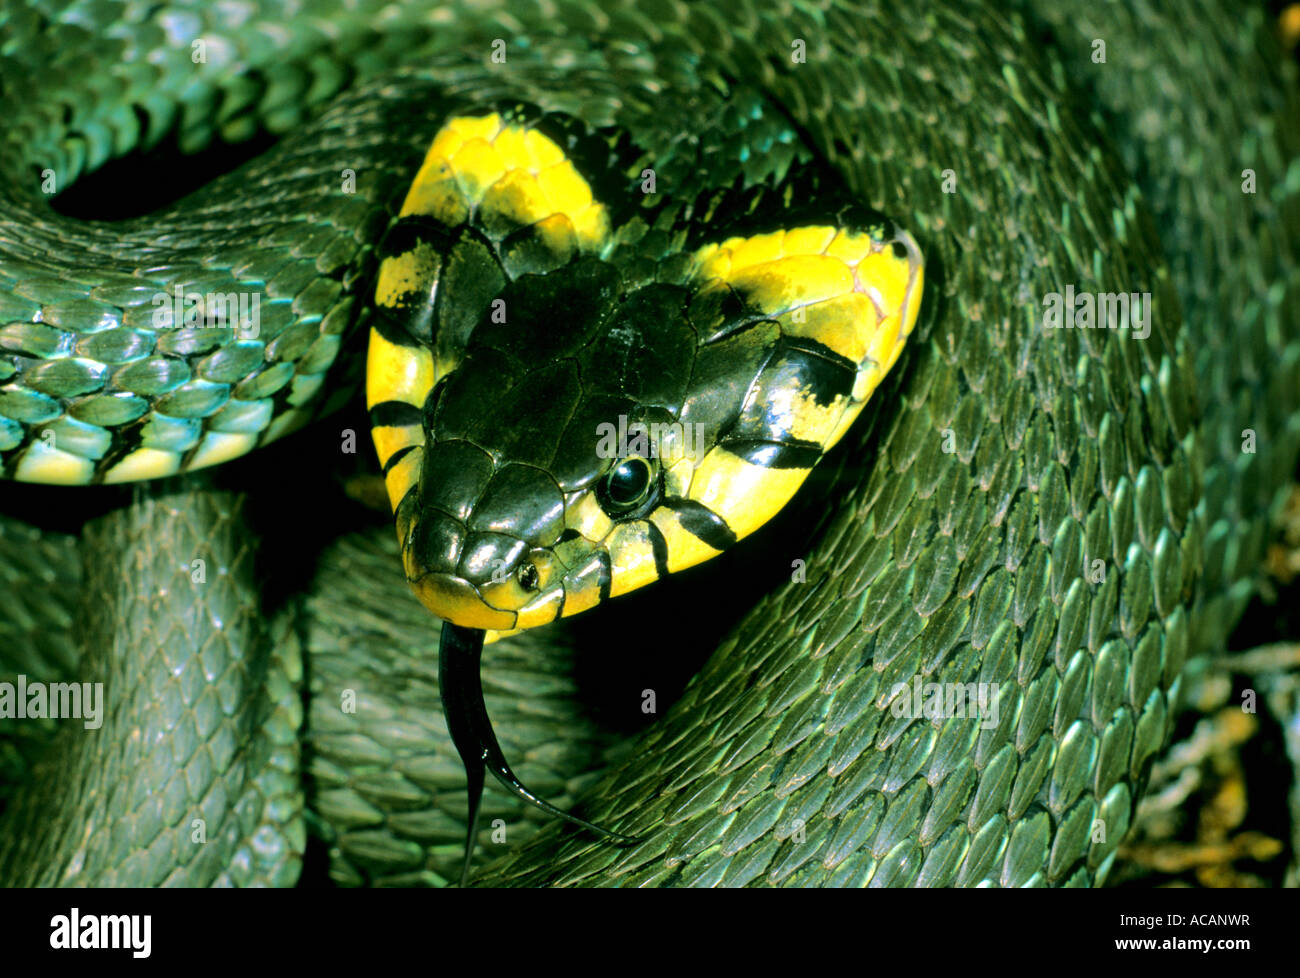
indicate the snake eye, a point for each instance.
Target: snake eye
{"x":628,"y":485}
{"x":528,"y":576}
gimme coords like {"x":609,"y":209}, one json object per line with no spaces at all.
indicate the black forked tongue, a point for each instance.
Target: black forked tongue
{"x":471,"y":731}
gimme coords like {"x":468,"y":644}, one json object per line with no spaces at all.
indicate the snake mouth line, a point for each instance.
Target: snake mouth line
{"x":529,"y":593}
{"x":459,"y":602}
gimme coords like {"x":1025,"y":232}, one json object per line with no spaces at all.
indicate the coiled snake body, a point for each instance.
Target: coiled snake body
{"x":1067,"y":515}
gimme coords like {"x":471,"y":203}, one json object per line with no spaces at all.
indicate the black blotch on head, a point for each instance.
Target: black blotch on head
{"x":702,"y":522}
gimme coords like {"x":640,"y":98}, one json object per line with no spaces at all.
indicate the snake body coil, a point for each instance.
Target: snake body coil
{"x":1003,"y":464}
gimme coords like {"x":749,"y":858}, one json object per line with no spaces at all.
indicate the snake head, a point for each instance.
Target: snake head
{"x":559,"y":426}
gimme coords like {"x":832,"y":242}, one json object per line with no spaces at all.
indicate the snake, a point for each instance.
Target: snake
{"x":504,"y":198}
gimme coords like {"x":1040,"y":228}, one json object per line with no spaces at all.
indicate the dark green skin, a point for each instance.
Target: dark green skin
{"x":781,"y":764}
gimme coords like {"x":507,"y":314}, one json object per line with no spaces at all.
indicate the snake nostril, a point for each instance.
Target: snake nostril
{"x":528,"y":577}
